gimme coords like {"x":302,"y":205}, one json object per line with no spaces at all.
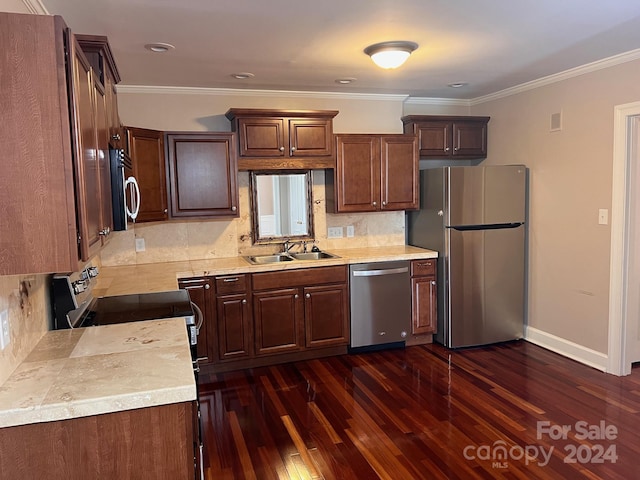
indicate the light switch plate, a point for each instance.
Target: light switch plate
{"x":5,"y":333}
{"x":603,"y":216}
{"x":140,"y":245}
{"x":334,"y":232}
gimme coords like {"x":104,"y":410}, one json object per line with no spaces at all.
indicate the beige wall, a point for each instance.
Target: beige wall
{"x":15,"y":6}
{"x":570,"y":179}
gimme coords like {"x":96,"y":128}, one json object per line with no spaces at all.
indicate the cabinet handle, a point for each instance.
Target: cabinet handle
{"x":116,"y":137}
{"x":433,"y":282}
{"x":296,"y":296}
{"x":446,"y":149}
{"x":455,"y":149}
{"x":228,"y":280}
{"x":308,"y":295}
{"x":293,"y":149}
{"x":103,"y":232}
{"x":281,"y":149}
{"x":207,"y":286}
{"x":384,"y":204}
{"x":166,"y":210}
{"x":233,"y":209}
{"x":244,"y":301}
{"x":374,"y":203}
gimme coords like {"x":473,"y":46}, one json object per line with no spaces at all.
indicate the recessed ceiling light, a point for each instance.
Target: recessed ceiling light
{"x":159,"y":47}
{"x":242,"y":75}
{"x":458,"y":84}
{"x":346,"y":80}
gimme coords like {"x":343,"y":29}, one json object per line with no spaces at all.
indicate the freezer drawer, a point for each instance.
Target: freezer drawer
{"x":485,"y":277}
{"x":380,"y":301}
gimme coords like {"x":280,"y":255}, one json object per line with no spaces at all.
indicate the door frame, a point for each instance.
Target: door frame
{"x":617,"y":363}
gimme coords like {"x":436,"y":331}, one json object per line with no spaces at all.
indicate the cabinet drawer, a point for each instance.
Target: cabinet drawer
{"x":299,"y":278}
{"x":231,"y":284}
{"x":423,"y":267}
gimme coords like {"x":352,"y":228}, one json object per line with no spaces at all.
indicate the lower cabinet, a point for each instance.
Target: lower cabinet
{"x":424,"y":311}
{"x":262,"y":318}
{"x":154,"y":442}
{"x":201,"y":293}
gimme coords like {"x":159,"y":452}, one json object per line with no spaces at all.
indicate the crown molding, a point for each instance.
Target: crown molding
{"x":559,"y":77}
{"x":36,"y":7}
{"x":257,"y":93}
{"x":448,"y":102}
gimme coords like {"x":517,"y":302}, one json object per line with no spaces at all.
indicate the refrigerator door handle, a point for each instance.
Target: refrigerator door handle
{"x":493,"y":226}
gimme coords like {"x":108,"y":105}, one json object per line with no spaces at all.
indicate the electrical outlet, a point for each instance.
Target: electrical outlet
{"x":5,"y":332}
{"x":334,"y":232}
{"x":140,"y":245}
{"x":351,"y":232}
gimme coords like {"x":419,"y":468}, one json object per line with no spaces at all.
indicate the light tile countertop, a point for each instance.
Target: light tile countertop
{"x":157,"y":277}
{"x":90,"y":371}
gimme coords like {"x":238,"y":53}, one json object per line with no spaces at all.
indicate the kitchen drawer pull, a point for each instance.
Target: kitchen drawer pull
{"x":244,"y":301}
{"x":308,"y":295}
{"x":229,"y":280}
{"x":296,"y":296}
{"x":207,"y":286}
{"x":433,"y":282}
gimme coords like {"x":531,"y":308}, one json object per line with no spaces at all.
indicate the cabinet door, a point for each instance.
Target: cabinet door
{"x":326,"y":316}
{"x":146,"y":149}
{"x":424,"y":299}
{"x":200,"y":292}
{"x":234,"y":327}
{"x":277,"y":316}
{"x":310,"y":138}
{"x":262,"y":137}
{"x":399,"y":164}
{"x":470,"y":139}
{"x":434,"y":138}
{"x":357,"y":173}
{"x":87,"y":171}
{"x":104,"y":167}
{"x":203,"y":175}
{"x":115,"y":130}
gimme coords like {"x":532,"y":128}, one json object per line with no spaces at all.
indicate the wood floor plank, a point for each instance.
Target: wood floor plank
{"x":420,"y":412}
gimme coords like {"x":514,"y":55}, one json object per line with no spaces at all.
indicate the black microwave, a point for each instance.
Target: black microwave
{"x":125,"y":192}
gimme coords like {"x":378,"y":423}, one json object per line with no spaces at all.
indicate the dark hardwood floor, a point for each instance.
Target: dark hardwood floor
{"x":423,"y":413}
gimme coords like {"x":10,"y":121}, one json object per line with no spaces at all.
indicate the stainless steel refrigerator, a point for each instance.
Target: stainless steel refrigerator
{"x":475,"y":218}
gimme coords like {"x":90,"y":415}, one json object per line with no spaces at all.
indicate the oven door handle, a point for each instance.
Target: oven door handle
{"x":200,"y":317}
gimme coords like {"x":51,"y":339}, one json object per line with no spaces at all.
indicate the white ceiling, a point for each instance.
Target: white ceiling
{"x":305,"y":45}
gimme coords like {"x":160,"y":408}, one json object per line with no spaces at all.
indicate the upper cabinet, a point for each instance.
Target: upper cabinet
{"x":283,"y":139}
{"x":146,"y":149}
{"x":373,"y":173}
{"x":447,"y":137}
{"x":55,"y":193}
{"x":203,"y":174}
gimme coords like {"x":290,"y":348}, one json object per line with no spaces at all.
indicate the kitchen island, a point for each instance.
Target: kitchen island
{"x":113,"y":401}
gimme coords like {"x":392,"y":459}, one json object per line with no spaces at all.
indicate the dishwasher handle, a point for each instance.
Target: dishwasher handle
{"x":377,"y":273}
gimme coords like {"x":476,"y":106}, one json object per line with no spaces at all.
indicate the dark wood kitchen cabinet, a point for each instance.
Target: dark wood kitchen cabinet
{"x":203,"y":175}
{"x":449,"y":137}
{"x":234,"y":320}
{"x":55,"y":194}
{"x":154,"y":442}
{"x":424,"y":297}
{"x":326,"y":315}
{"x":201,"y":293}
{"x":146,"y":149}
{"x":373,"y":173}
{"x":278,"y":321}
{"x":283,"y":139}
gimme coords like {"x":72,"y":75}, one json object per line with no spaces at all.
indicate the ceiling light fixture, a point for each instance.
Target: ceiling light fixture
{"x":159,"y":47}
{"x":390,"y":54}
{"x":242,"y":75}
{"x":346,"y":80}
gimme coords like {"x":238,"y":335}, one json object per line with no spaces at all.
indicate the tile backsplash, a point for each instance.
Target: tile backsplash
{"x":26,"y":298}
{"x":201,"y":240}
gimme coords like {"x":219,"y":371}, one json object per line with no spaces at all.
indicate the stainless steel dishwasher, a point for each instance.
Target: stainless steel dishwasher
{"x":380,"y":303}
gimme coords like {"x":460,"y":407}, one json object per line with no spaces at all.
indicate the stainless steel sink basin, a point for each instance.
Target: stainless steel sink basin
{"x":275,"y":258}
{"x":313,"y":256}
{"x":288,"y":257}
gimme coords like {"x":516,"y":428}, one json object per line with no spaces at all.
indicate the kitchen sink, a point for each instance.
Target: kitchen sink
{"x":288,"y":257}
{"x":313,"y":255}
{"x":275,"y":258}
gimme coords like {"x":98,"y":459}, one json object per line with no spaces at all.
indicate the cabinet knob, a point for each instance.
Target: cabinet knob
{"x":384,"y":204}
{"x":440,"y":213}
{"x":282,"y":149}
{"x":446,"y":149}
{"x":455,"y":149}
{"x":296,"y":296}
{"x":374,"y":203}
{"x":244,"y":301}
{"x":166,"y":210}
{"x":207,"y":286}
{"x":234,"y":208}
{"x":116,"y":137}
{"x":308,"y":295}
{"x":293,"y":149}
{"x":433,"y":282}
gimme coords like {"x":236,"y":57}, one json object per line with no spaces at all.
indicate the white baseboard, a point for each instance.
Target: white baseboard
{"x":566,"y":348}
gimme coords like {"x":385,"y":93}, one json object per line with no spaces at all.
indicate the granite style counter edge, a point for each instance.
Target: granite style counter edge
{"x":96,"y":370}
